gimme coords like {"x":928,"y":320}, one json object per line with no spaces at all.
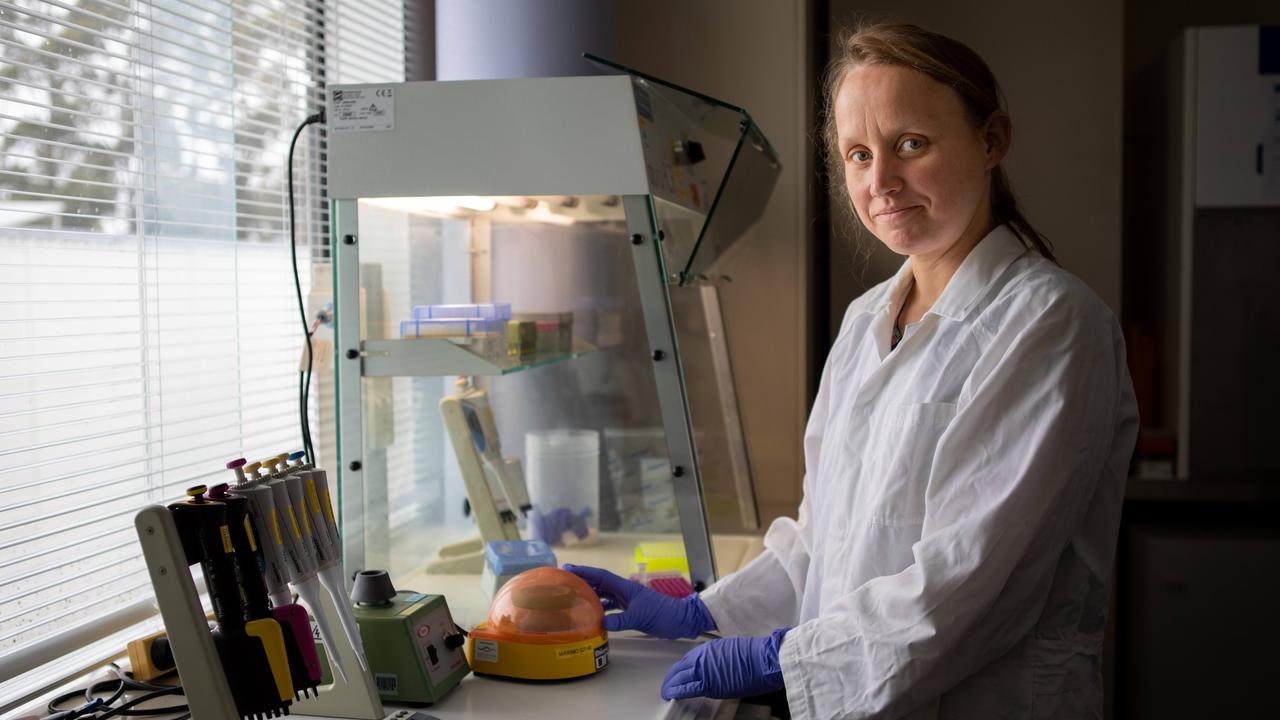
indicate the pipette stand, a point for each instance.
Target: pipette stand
{"x":203,"y":681}
{"x":357,"y":697}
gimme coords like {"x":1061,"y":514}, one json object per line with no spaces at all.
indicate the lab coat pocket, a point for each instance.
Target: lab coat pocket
{"x":903,"y":439}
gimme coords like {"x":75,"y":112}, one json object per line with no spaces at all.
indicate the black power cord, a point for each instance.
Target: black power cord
{"x":96,"y":707}
{"x":304,"y":378}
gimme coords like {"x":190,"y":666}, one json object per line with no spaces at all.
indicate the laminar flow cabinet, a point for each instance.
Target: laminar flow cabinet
{"x":600,"y":209}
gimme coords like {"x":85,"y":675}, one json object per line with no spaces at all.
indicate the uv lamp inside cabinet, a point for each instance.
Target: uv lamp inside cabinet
{"x":591,"y":217}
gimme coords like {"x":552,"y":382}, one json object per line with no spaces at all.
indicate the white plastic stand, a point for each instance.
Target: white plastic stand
{"x":203,"y":681}
{"x":465,"y":557}
{"x":357,"y":697}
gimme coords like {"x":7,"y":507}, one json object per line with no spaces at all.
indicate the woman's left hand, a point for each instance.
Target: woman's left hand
{"x":727,"y":668}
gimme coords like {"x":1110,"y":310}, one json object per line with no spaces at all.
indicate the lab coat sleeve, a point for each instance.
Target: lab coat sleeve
{"x":765,"y":594}
{"x":1010,"y":482}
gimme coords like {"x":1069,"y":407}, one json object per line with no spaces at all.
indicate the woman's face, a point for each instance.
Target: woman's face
{"x":915,"y":166}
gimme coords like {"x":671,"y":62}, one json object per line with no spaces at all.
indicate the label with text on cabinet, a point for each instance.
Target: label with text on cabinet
{"x":362,"y":109}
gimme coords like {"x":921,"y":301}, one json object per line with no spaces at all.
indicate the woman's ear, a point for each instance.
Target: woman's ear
{"x":997,"y":135}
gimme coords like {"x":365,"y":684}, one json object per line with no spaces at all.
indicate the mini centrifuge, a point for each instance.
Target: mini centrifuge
{"x":544,"y":624}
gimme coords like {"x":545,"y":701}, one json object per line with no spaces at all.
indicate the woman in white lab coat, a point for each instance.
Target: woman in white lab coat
{"x":966,"y":454}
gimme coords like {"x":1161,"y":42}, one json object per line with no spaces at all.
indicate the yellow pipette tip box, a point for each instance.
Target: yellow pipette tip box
{"x":660,"y":556}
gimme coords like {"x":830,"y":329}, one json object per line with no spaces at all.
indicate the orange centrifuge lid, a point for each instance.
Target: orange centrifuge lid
{"x":545,"y":605}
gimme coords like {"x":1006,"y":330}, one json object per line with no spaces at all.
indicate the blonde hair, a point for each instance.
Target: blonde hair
{"x":945,"y":60}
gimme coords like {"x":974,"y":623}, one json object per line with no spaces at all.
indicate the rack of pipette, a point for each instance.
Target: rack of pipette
{"x":270,"y":531}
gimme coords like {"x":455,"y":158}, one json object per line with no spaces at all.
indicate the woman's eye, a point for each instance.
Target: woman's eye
{"x":912,"y":144}
{"x":859,"y":156}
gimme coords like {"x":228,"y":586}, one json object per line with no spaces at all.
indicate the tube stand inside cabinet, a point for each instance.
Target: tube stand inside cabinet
{"x":203,"y":680}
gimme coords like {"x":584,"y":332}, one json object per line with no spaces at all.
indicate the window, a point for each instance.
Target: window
{"x":148,"y":326}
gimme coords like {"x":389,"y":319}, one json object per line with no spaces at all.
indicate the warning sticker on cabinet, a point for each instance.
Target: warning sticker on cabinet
{"x":362,"y":109}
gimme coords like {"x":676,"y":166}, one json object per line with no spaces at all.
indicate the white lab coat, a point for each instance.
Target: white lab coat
{"x":962,"y":499}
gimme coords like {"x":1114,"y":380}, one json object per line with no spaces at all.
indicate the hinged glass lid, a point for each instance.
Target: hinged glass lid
{"x":710,"y":170}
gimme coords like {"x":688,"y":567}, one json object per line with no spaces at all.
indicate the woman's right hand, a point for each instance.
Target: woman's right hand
{"x":645,"y":609}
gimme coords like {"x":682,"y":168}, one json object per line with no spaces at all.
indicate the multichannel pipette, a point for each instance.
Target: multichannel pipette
{"x":292,"y":617}
{"x":254,"y":591}
{"x":308,"y":490}
{"x":301,"y":559}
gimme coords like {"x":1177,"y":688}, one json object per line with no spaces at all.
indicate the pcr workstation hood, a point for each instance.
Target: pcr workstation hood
{"x":605,"y":207}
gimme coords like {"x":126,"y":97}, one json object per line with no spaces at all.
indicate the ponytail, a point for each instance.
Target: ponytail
{"x":1006,"y":210}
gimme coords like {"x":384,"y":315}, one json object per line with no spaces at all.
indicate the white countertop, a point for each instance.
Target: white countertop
{"x":627,"y":690}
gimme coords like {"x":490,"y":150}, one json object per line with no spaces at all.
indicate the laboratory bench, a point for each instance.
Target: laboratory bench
{"x":628,"y":689}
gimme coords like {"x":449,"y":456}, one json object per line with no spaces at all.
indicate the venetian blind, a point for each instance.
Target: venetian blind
{"x":148,"y":326}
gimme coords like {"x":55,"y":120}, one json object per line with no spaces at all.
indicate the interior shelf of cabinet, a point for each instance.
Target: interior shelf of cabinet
{"x":442,"y":358}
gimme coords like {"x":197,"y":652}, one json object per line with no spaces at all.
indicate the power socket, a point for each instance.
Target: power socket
{"x":150,"y":657}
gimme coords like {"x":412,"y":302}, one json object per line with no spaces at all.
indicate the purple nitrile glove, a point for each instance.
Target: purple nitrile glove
{"x":645,"y":609}
{"x":733,"y":667}
{"x":550,"y":527}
